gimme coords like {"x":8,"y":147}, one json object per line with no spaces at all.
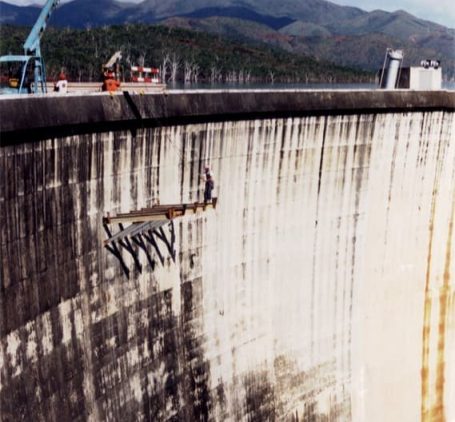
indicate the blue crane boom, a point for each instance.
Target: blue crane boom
{"x":21,"y":82}
{"x":32,"y":43}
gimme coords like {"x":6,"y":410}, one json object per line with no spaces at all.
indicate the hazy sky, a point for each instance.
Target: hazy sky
{"x":440,"y":11}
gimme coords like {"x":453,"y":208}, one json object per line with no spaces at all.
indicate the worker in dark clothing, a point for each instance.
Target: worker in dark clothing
{"x":209,"y":185}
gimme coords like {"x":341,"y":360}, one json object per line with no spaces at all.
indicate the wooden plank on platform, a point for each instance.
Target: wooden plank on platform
{"x":160,"y":213}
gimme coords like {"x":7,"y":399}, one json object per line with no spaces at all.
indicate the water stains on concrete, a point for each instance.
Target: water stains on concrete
{"x":261,"y":315}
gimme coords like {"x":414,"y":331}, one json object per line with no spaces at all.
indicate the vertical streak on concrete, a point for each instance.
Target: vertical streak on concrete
{"x":438,"y":412}
{"x":438,"y":290}
{"x":394,"y":270}
{"x":315,"y":240}
{"x":321,"y":162}
{"x":88,"y":381}
{"x":264,"y":314}
{"x":435,"y":411}
{"x":427,"y":318}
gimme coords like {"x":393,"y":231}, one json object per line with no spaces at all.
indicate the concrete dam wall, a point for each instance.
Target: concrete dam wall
{"x":321,"y":288}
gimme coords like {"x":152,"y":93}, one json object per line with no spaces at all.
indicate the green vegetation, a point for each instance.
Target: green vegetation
{"x":185,"y":55}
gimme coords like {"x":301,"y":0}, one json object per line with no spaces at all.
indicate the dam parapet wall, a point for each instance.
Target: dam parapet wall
{"x":321,"y":287}
{"x":45,"y":116}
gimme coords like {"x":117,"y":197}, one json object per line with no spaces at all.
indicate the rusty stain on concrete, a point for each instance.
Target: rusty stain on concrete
{"x":434,"y":411}
{"x":186,"y":343}
{"x":426,"y":327}
{"x":444,"y":295}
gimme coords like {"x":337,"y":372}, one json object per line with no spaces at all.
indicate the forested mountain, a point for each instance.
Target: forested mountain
{"x":363,"y":51}
{"x":181,"y":55}
{"x":340,"y":34}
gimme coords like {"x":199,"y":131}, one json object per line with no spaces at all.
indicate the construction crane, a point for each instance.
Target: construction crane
{"x":111,"y":73}
{"x":26,"y":73}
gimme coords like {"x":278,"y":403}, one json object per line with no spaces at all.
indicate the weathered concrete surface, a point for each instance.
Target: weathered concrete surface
{"x":321,"y":288}
{"x":25,"y":118}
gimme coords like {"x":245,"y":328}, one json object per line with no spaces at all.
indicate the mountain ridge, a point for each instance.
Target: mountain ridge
{"x":298,"y":26}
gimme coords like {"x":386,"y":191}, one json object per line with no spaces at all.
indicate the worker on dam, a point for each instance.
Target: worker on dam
{"x":61,"y":85}
{"x":209,"y":184}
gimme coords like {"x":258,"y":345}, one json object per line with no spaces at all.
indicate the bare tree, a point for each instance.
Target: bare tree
{"x":215,"y":74}
{"x":272,"y":77}
{"x":175,"y":64}
{"x":165,"y":66}
{"x":187,"y":71}
{"x":90,"y":72}
{"x":195,"y":72}
{"x":241,"y":76}
{"x":127,"y":60}
{"x":231,"y":76}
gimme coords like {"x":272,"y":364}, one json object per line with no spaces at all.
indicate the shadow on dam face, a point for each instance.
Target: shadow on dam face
{"x":320,"y":289}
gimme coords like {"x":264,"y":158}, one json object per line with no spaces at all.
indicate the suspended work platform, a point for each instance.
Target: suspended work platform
{"x":163,"y":213}
{"x":145,"y":228}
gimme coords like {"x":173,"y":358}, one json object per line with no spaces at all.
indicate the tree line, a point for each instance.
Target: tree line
{"x":181,"y":55}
